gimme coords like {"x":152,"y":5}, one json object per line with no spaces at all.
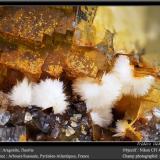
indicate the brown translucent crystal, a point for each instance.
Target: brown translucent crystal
{"x":3,"y":73}
{"x":4,"y":101}
{"x":84,"y":35}
{"x":83,"y":61}
{"x":27,"y":61}
{"x":30,"y":24}
{"x":85,"y":32}
{"x":54,"y":62}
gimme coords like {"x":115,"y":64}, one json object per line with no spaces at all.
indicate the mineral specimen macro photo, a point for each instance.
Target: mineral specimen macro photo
{"x":79,"y":73}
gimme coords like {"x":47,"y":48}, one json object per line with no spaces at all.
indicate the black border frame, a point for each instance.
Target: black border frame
{"x":75,"y":3}
{"x":83,"y":2}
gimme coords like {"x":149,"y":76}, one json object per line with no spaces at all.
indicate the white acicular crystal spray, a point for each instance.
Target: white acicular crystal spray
{"x":135,"y":86}
{"x":103,"y":117}
{"x":101,"y":97}
{"x":21,"y":94}
{"x":121,"y":127}
{"x":89,"y":90}
{"x":50,"y":93}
